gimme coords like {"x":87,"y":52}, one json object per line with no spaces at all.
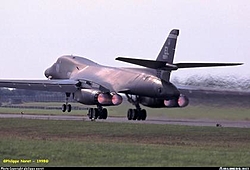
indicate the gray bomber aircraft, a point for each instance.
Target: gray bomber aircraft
{"x":90,"y":83}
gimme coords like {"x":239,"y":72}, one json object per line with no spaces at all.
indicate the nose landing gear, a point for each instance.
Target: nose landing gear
{"x":67,"y":106}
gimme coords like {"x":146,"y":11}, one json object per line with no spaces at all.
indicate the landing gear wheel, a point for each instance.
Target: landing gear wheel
{"x":103,"y":114}
{"x":138,"y":113}
{"x":69,"y":107}
{"x":89,"y":113}
{"x":134,"y":114}
{"x":129,"y":114}
{"x":64,"y":107}
{"x":143,"y":114}
{"x":95,"y":113}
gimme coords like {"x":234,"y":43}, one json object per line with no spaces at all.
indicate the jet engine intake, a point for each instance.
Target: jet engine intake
{"x":95,"y":97}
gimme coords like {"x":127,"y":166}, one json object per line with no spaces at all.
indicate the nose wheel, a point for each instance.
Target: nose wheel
{"x":67,"y":106}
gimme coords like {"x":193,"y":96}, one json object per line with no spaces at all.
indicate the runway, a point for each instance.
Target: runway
{"x":189,"y":122}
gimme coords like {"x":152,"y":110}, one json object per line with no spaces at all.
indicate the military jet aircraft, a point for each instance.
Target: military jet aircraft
{"x":90,"y":83}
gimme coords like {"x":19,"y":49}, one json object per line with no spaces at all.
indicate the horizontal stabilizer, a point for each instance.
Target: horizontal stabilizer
{"x":193,"y":65}
{"x":148,"y":63}
{"x":167,"y":66}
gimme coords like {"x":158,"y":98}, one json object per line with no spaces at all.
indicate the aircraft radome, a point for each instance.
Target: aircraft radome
{"x":91,"y":83}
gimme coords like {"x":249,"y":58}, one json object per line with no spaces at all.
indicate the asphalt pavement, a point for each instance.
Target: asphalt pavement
{"x":156,"y":120}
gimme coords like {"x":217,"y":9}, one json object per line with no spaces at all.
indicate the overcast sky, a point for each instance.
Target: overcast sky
{"x":34,"y":33}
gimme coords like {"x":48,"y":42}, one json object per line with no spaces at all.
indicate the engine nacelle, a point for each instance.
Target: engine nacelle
{"x":151,"y":102}
{"x":159,"y":103}
{"x":94,"y":97}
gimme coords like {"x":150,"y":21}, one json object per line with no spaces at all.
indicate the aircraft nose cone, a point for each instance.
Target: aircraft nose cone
{"x":47,"y":73}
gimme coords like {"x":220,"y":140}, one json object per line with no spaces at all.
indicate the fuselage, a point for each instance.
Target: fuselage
{"x":137,"y":81}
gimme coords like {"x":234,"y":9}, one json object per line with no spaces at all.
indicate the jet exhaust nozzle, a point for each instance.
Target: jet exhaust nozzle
{"x":104,"y":98}
{"x":109,"y":99}
{"x":116,"y":99}
{"x":182,"y":101}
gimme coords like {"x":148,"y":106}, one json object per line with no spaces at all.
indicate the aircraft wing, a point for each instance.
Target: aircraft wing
{"x":62,"y":85}
{"x":44,"y":85}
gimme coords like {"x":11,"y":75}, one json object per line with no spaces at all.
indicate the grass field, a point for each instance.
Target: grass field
{"x":84,"y":143}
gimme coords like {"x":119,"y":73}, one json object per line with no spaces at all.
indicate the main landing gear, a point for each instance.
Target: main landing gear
{"x":67,"y":106}
{"x":138,"y":113}
{"x":102,"y":113}
{"x":97,"y":113}
{"x":93,"y":113}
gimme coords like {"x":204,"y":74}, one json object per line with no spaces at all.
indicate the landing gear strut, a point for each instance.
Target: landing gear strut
{"x":97,"y":113}
{"x":138,"y":113}
{"x":67,"y":106}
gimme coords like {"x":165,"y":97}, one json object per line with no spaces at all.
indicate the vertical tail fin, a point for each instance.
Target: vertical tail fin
{"x":167,"y":52}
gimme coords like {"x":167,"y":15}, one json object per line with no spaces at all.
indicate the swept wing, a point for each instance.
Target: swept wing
{"x":44,"y":85}
{"x":62,"y":85}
